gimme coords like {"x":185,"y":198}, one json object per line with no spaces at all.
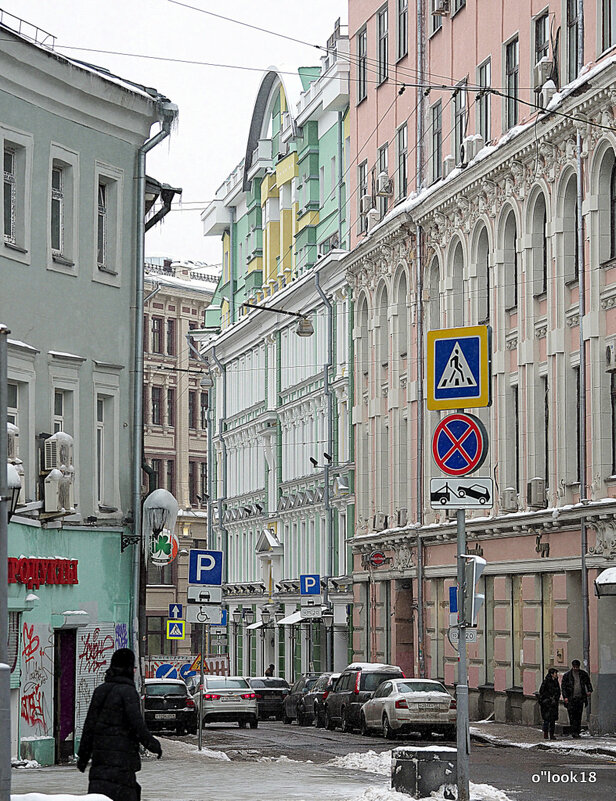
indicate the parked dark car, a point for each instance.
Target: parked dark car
{"x":312,"y":706}
{"x":168,"y":706}
{"x":356,"y":685}
{"x":296,"y":694}
{"x":270,"y":692}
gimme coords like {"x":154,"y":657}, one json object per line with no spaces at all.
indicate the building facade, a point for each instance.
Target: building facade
{"x":510,"y":223}
{"x":282,"y":466}
{"x":70,"y":137}
{"x":175,"y":428}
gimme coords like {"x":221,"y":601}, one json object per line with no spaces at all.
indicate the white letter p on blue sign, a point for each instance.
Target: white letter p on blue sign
{"x":205,"y":567}
{"x":310,"y":584}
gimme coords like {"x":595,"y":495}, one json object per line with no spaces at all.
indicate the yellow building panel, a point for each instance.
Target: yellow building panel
{"x":286,"y":169}
{"x":310,"y":218}
{"x":226,"y":253}
{"x":272,"y":253}
{"x":286,"y":237}
{"x":255,"y":264}
{"x":269,"y":188}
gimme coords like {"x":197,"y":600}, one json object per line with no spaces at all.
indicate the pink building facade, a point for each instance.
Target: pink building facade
{"x":466,"y":212}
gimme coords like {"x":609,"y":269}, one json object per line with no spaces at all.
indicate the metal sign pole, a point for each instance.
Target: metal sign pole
{"x":202,"y":646}
{"x":463,"y":743}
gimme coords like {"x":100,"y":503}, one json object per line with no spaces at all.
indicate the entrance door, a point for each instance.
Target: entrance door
{"x":65,"y":648}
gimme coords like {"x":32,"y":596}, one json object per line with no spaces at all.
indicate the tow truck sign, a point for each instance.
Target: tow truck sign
{"x":461,"y":493}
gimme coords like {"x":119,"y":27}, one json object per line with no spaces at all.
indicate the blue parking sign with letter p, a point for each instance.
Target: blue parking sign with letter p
{"x":205,"y":567}
{"x":310,"y":584}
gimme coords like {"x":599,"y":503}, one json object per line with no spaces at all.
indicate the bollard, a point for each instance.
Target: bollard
{"x":418,"y":771}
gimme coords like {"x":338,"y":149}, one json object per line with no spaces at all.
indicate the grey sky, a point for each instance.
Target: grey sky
{"x":215,"y":103}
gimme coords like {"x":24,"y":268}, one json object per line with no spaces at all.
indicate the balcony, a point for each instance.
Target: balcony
{"x":261,"y":159}
{"x":216,"y":218}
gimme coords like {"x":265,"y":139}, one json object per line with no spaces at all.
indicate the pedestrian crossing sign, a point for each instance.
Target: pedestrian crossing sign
{"x":459,"y":367}
{"x":176,"y":629}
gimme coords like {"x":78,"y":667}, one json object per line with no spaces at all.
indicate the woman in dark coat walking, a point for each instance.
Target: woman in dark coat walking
{"x":112,"y":732}
{"x":549,"y":697}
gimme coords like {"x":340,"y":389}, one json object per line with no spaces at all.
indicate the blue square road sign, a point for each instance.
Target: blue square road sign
{"x":310,"y":584}
{"x":205,"y":567}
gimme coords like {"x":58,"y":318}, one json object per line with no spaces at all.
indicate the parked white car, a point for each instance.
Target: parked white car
{"x":404,"y":705}
{"x":228,"y":699}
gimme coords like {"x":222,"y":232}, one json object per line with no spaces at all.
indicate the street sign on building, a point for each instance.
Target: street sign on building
{"x":471,"y":634}
{"x":204,"y":613}
{"x":459,"y":367}
{"x":461,"y":493}
{"x":175,"y":611}
{"x":203,"y":594}
{"x":205,"y":567}
{"x":176,"y":629}
{"x":310,"y":584}
{"x":459,"y":444}
{"x":310,"y":612}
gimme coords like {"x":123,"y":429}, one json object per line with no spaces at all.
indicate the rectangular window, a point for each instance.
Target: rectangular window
{"x":157,"y":335}
{"x":542,"y":37}
{"x":100,"y":448}
{"x":436,"y":20}
{"x":203,"y":408}
{"x":203,"y":483}
{"x":362,"y":192}
{"x":12,"y":405}
{"x":57,"y":210}
{"x":512,"y":75}
{"x":192,"y":409}
{"x":321,"y":186}
{"x":157,"y":642}
{"x":483,"y":99}
{"x":437,"y":140}
{"x":102,"y":225}
{"x":613,"y":406}
{"x":403,"y":28}
{"x":170,"y":478}
{"x":192,"y":483}
{"x":608,"y":24}
{"x":191,"y":352}
{"x":362,"y":54}
{"x":402,"y":152}
{"x":578,"y":449}
{"x":459,"y":117}
{"x":458,"y":4}
{"x":382,"y":37}
{"x":10,"y":196}
{"x":58,"y":411}
{"x":546,"y":429}
{"x":157,"y":411}
{"x":156,"y":468}
{"x":170,"y":337}
{"x":171,"y":407}
{"x":572,"y":40}
{"x":383,"y":171}
{"x":516,"y":424}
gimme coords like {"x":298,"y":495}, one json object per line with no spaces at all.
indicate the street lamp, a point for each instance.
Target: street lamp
{"x":249,"y":616}
{"x":13,"y":482}
{"x":304,"y":326}
{"x":266,"y":616}
{"x":237,"y":616}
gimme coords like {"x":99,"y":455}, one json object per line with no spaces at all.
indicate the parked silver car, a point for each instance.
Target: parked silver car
{"x":403,"y":705}
{"x":228,"y":699}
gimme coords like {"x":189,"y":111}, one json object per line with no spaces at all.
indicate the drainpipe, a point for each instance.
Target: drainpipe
{"x":582,"y":376}
{"x":231,"y":270}
{"x":221,"y":423}
{"x":169,"y":113}
{"x":420,"y":342}
{"x":5,"y":675}
{"x":340,"y":176}
{"x":327,"y":465}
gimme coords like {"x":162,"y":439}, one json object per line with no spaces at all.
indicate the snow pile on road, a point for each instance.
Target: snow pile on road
{"x":284,"y":758}
{"x":371,"y":762}
{"x":478,"y":792}
{"x":194,"y":751}
{"x":62,"y":797}
{"x":24,"y":763}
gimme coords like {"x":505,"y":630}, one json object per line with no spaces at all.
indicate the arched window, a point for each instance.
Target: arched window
{"x":570,"y":239}
{"x":361,"y":442}
{"x":402,"y":313}
{"x":434,"y":298}
{"x":539,"y":247}
{"x":457,"y":299}
{"x":613,"y":210}
{"x":383,"y":332}
{"x":510,"y":263}
{"x":402,"y":460}
{"x":483,"y":278}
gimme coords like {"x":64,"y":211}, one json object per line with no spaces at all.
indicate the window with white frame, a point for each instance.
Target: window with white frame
{"x":459,"y":121}
{"x":10,"y":195}
{"x":436,"y":113}
{"x":436,"y":20}
{"x":362,"y":56}
{"x":102,"y":227}
{"x":383,"y":170}
{"x":63,"y":208}
{"x":542,"y":36}
{"x":382,"y":42}
{"x":59,"y":408}
{"x":57,"y":209}
{"x":403,"y":28}
{"x":100,"y":449}
{"x":458,"y":4}
{"x":484,"y":79}
{"x":362,"y":192}
{"x":402,"y":156}
{"x":512,"y":77}
{"x":108,"y":202}
{"x":342,"y":544}
{"x":17,"y":149}
{"x":13,"y":404}
{"x":608,"y":24}
{"x":572,"y":39}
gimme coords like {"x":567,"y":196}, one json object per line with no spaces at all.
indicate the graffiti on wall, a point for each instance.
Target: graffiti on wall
{"x":121,"y":635}
{"x":95,"y":646}
{"x":36,"y":680}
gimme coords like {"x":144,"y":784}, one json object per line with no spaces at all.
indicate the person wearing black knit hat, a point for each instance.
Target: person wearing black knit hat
{"x":113,"y":729}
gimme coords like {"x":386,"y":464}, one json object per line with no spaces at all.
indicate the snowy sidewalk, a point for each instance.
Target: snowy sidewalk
{"x":510,"y":735}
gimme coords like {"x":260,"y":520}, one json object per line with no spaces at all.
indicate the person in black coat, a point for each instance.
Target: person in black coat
{"x":576,"y":689}
{"x":549,"y":696}
{"x":113,"y":729}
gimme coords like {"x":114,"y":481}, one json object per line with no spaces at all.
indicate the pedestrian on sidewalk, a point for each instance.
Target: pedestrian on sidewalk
{"x":549,"y":697}
{"x":112,"y":732}
{"x":576,"y":689}
{"x":270,"y":670}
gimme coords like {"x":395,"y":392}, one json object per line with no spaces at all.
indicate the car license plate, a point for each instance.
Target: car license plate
{"x":164,"y":716}
{"x":427,"y":707}
{"x":229,"y":698}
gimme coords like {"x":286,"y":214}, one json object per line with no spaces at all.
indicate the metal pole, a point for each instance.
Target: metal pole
{"x":202,"y":646}
{"x":420,"y":451}
{"x":5,"y":676}
{"x":463,"y":742}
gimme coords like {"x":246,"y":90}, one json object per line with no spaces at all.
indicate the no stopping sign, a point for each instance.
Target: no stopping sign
{"x":459,"y":444}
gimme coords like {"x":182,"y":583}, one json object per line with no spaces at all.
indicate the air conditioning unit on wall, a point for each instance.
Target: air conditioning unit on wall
{"x":384,"y":185}
{"x":402,"y":517}
{"x":509,"y":500}
{"x":59,"y":451}
{"x":59,"y":495}
{"x":610,"y":358}
{"x":441,"y":8}
{"x":535,"y":493}
{"x":379,"y":521}
{"x":365,"y":204}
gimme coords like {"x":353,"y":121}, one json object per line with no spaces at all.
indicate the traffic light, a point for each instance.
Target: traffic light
{"x":473,"y":568}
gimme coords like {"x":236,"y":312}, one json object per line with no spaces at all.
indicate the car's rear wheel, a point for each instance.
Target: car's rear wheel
{"x":363,"y":726}
{"x":329,"y":723}
{"x":286,"y":719}
{"x":180,"y":730}
{"x":241,"y":724}
{"x":320,"y":719}
{"x":302,"y":717}
{"x":450,"y":733}
{"x":388,"y":732}
{"x":254,"y":723}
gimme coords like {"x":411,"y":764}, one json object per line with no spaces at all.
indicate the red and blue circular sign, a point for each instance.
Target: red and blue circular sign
{"x":459,"y":444}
